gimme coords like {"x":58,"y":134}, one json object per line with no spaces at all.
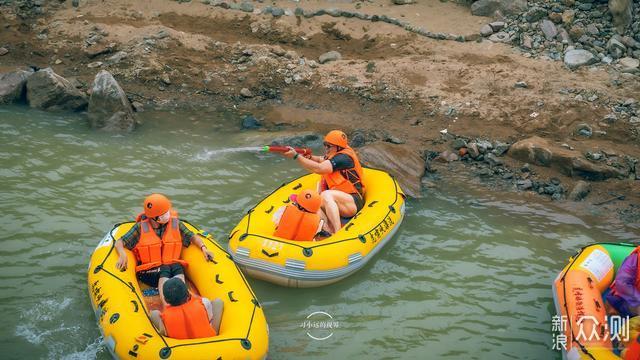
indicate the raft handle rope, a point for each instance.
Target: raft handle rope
{"x":166,"y":351}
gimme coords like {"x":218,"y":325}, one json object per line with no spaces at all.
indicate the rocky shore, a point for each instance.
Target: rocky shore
{"x":538,"y":97}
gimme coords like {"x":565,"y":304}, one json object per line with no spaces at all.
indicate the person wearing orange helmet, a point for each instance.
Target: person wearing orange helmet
{"x":300,"y":219}
{"x":156,"y":240}
{"x":342,"y":188}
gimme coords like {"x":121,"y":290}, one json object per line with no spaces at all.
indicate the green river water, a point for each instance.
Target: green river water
{"x":466,"y":276}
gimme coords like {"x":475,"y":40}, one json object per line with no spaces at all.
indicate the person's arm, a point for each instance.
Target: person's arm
{"x":311,"y":165}
{"x":197,"y":240}
{"x":129,"y":241}
{"x":122,"y":256}
{"x":626,"y":281}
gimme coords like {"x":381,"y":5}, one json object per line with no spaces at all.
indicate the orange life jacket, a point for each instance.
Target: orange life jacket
{"x":151,"y":251}
{"x":612,"y":287}
{"x":632,"y":351}
{"x":187,"y":321}
{"x":296,"y":224}
{"x":339,"y":179}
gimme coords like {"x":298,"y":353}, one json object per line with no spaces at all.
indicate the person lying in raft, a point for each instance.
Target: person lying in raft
{"x":624,"y":292}
{"x":342,"y":190}
{"x":300,"y":219}
{"x":156,"y":240}
{"x":186,"y":316}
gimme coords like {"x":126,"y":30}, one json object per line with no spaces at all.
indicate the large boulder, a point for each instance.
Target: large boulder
{"x":13,"y":86}
{"x":573,"y":59}
{"x":541,"y":152}
{"x":506,"y":7}
{"x":49,"y":91}
{"x":400,"y":161}
{"x":109,"y":108}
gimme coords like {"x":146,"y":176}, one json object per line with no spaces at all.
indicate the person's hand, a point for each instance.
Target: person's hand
{"x":290,"y":153}
{"x":208,"y":255}
{"x":122,"y":262}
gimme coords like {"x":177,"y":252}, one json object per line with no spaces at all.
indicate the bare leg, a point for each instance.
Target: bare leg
{"x":156,"y":320}
{"x":214,"y":310}
{"x":335,"y":204}
{"x":325,"y":223}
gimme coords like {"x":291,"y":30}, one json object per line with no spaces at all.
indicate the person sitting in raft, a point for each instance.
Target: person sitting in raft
{"x":156,"y":240}
{"x":300,"y":219}
{"x":342,"y":189}
{"x":187,"y":316}
{"x":624,"y":292}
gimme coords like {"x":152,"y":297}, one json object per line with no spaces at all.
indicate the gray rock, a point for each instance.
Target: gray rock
{"x":549,"y":29}
{"x":500,"y":148}
{"x":621,"y":10}
{"x":3,"y":51}
{"x":137,"y":106}
{"x":459,"y":143}
{"x":497,"y":25}
{"x":246,"y":6}
{"x":447,"y":156}
{"x":628,"y":63}
{"x":13,"y":86}
{"x":329,"y":56}
{"x":403,"y":2}
{"x":472,"y":150}
{"x":580,"y":191}
{"x":400,"y":161}
{"x":506,"y":7}
{"x":249,"y":122}
{"x":573,"y":59}
{"x":593,"y":29}
{"x":117,"y":57}
{"x":616,"y":48}
{"x":584,"y":130}
{"x":246,"y":93}
{"x":493,"y":160}
{"x":486,"y":30}
{"x":49,"y":91}
{"x":521,"y":85}
{"x":534,"y":14}
{"x":525,"y":184}
{"x":500,"y":37}
{"x":277,"y":12}
{"x":484,"y":146}
{"x":109,"y":108}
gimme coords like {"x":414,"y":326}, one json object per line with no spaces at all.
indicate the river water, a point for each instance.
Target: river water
{"x":468,"y":274}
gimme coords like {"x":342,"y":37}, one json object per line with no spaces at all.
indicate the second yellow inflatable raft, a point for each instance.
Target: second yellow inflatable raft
{"x":308,"y":264}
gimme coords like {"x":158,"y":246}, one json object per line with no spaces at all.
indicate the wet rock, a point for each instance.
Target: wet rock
{"x":580,"y":190}
{"x":399,"y":160}
{"x":249,"y":122}
{"x":329,"y":56}
{"x":109,"y":108}
{"x":137,"y":106}
{"x":573,"y":59}
{"x":571,"y":163}
{"x":506,"y":7}
{"x":13,"y":86}
{"x":246,"y":93}
{"x":49,"y":91}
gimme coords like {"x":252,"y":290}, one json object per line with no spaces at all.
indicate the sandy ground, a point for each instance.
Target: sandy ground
{"x":388,"y":79}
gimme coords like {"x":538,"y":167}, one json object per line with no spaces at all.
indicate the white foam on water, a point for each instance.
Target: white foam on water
{"x":90,"y":352}
{"x":33,"y":334}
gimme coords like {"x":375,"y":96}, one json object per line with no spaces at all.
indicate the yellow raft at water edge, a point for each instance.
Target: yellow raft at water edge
{"x":308,"y":264}
{"x":122,"y":309}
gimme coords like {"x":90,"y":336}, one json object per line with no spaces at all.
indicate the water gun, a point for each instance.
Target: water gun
{"x":284,"y":149}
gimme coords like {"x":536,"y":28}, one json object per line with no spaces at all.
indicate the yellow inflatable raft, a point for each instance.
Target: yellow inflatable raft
{"x":122,"y":309}
{"x":308,"y":264}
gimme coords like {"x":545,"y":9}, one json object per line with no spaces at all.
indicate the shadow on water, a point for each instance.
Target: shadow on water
{"x":467,"y":276}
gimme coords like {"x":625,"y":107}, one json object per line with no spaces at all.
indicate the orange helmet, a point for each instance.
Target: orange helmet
{"x":308,"y":199}
{"x":156,"y":205}
{"x":337,"y":138}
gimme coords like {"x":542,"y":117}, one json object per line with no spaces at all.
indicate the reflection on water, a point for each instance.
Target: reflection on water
{"x":467,"y":276}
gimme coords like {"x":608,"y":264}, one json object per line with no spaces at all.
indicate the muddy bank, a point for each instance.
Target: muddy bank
{"x":386,"y":85}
